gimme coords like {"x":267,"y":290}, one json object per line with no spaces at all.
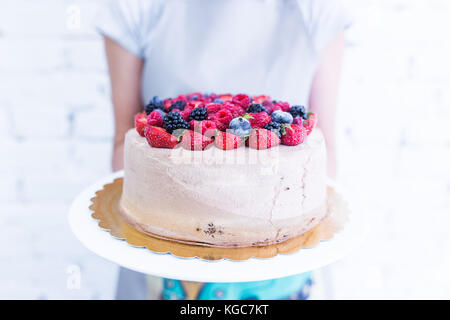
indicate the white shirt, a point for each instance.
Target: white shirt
{"x":255,"y":47}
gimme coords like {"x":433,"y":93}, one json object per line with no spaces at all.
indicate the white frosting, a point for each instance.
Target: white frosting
{"x":234,"y":197}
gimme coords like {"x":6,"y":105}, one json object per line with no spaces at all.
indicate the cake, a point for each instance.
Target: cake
{"x":224,"y":170}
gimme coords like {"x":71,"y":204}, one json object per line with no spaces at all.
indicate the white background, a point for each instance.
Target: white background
{"x":394,"y":148}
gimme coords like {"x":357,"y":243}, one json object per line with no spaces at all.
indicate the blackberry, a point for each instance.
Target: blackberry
{"x":256,"y":108}
{"x":180,"y":104}
{"x":198,"y":114}
{"x":154,"y":103}
{"x":274,"y":126}
{"x":173,"y":121}
{"x":298,"y":111}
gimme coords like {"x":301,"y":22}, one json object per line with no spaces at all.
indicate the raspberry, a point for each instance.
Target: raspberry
{"x":283,"y":106}
{"x":292,"y":134}
{"x":140,"y":122}
{"x":213,"y":107}
{"x":222,"y":119}
{"x":205,"y":127}
{"x":158,"y":138}
{"x":258,"y":120}
{"x":241,"y":100}
{"x":262,"y":139}
{"x":192,"y":140}
{"x":235,"y":110}
{"x":155,"y":119}
{"x":227,"y":141}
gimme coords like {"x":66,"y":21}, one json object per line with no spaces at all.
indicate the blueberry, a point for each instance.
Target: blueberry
{"x":282,"y":117}
{"x":218,"y":101}
{"x":240,"y":127}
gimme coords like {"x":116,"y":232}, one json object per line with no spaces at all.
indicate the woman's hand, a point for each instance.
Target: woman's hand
{"x":125,"y":71}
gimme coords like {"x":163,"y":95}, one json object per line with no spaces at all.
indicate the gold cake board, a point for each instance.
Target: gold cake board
{"x":105,"y":207}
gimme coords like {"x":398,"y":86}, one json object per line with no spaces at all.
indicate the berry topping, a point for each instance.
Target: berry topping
{"x":222,"y":119}
{"x":274,"y":127}
{"x":235,"y":110}
{"x":155,"y":118}
{"x":173,"y":121}
{"x":298,"y":111}
{"x":192,"y":140}
{"x":218,"y":100}
{"x":258,"y":120}
{"x":310,"y":123}
{"x":179,"y":104}
{"x":283,"y":106}
{"x":198,"y":114}
{"x":263,"y":139}
{"x":227,"y":141}
{"x":205,"y":127}
{"x":281,"y":117}
{"x":213,"y":107}
{"x":260,"y":99}
{"x":158,"y":138}
{"x":154,"y":103}
{"x":226,"y":97}
{"x":298,"y":121}
{"x":292,"y":134}
{"x":241,"y":100}
{"x":256,"y":108}
{"x":240,"y":127}
{"x":140,"y":122}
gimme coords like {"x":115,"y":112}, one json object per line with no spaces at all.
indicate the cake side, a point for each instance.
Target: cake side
{"x":237,"y":197}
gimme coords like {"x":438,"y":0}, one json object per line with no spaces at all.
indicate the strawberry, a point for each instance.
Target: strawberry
{"x":222,"y":119}
{"x":227,"y":141}
{"x":258,"y":120}
{"x":262,"y":139}
{"x":155,"y":119}
{"x":159,"y":138}
{"x":192,"y":140}
{"x":226,"y":97}
{"x":292,"y":134}
{"x":140,"y":122}
{"x":260,"y":99}
{"x":310,"y":122}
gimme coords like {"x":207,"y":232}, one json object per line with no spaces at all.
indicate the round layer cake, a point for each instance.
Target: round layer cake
{"x":215,"y":197}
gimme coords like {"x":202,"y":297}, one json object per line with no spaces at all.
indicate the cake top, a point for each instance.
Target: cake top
{"x":196,"y":121}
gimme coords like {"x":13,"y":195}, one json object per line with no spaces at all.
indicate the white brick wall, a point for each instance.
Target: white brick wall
{"x":56,"y":127}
